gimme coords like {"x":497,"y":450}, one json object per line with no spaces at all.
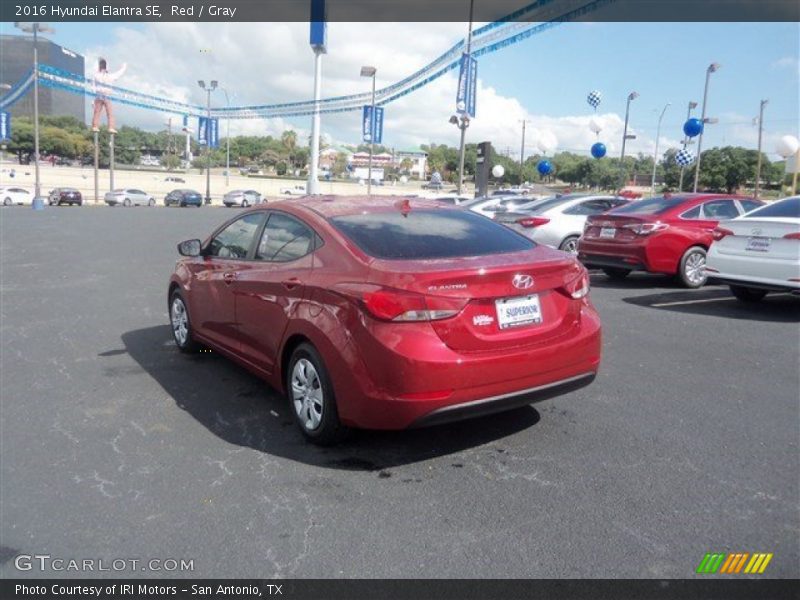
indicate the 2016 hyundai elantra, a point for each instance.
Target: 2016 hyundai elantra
{"x":385,"y":313}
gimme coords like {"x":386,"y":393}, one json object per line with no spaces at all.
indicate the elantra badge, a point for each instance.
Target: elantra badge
{"x":522,"y":282}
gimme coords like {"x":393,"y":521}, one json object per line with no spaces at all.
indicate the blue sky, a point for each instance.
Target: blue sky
{"x":546,"y":77}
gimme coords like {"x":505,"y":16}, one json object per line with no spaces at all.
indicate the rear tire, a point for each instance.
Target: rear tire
{"x":181,"y":324}
{"x":570,"y":244}
{"x":7,"y":202}
{"x":311,"y":398}
{"x":616,"y":273}
{"x":245,"y":204}
{"x":747,"y":294}
{"x":126,"y":202}
{"x":151,"y":202}
{"x":692,"y":268}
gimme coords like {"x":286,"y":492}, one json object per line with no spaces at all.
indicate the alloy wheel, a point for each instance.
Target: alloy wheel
{"x":180,"y":321}
{"x":307,"y":395}
{"x":695,"y":268}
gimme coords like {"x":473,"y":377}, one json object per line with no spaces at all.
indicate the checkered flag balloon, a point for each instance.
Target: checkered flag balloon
{"x":594,"y":98}
{"x":684,"y":158}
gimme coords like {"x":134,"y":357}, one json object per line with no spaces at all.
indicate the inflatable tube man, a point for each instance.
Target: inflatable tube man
{"x":103,"y":78}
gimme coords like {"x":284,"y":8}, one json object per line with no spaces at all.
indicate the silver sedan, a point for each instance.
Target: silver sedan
{"x":129,"y":197}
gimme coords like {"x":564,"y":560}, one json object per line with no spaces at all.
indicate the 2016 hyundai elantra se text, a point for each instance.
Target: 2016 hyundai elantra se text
{"x":386,"y":314}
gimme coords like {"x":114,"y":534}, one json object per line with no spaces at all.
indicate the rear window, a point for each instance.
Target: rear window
{"x":783,"y":208}
{"x":649,"y":206}
{"x":423,"y":234}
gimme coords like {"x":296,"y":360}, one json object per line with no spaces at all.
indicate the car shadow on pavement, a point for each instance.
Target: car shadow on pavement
{"x":719,"y":302}
{"x":242,"y":409}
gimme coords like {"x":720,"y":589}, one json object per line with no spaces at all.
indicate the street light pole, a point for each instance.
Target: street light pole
{"x":35,"y":28}
{"x":686,"y":141}
{"x":711,"y":69}
{"x":227,"y":139}
{"x":625,"y":137}
{"x":760,"y":132}
{"x":655,"y":154}
{"x":522,"y":151}
{"x":370,"y":72}
{"x":464,"y":118}
{"x":312,"y":186}
{"x":210,"y":88}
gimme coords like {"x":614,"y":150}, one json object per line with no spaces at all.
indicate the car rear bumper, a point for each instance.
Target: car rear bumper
{"x":753,"y":271}
{"x":419,"y":381}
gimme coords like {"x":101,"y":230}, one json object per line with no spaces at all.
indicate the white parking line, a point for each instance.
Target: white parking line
{"x":707,"y":300}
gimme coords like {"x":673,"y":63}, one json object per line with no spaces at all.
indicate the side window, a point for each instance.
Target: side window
{"x":693,"y":213}
{"x":615,"y":202}
{"x":720,"y":209}
{"x":284,"y":239}
{"x":749,"y":205}
{"x":235,"y":240}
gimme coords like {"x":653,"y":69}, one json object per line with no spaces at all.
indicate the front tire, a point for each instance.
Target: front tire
{"x":692,"y":268}
{"x":151,"y":202}
{"x":311,"y":397}
{"x":181,"y":324}
{"x":245,"y":204}
{"x":747,"y":294}
{"x":616,"y":273}
{"x":570,"y":245}
{"x":7,"y":202}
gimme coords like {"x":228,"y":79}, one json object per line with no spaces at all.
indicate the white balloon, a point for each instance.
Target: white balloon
{"x":596,"y":124}
{"x":787,"y":146}
{"x":547,"y":141}
{"x":498,"y":171}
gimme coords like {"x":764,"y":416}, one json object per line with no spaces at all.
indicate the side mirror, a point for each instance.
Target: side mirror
{"x":190,"y":248}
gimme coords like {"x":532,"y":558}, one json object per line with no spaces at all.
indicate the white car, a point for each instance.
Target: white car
{"x":11,"y":194}
{"x":557,"y":222}
{"x":129,"y":197}
{"x":243,"y":198}
{"x":758,"y":252}
{"x":297,"y":190}
{"x":488,"y":206}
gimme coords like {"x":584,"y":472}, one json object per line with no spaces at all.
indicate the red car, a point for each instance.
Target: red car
{"x":384,"y":313}
{"x":662,"y":234}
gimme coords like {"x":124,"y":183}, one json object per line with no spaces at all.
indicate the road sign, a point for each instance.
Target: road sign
{"x":5,"y":125}
{"x":467,"y":85}
{"x":372,"y":124}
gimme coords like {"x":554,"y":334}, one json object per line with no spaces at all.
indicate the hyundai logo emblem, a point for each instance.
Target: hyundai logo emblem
{"x":522,"y":282}
{"x":756,"y":231}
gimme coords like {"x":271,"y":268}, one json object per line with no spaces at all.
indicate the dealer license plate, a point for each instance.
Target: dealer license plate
{"x":608,"y":232}
{"x":518,"y":311}
{"x":758,"y":244}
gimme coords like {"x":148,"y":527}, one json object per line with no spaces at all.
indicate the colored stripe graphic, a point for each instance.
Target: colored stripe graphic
{"x":734,"y":562}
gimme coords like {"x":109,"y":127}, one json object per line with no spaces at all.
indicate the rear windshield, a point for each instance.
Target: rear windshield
{"x":783,"y":208}
{"x":423,"y":234}
{"x":540,"y":206}
{"x":649,"y":206}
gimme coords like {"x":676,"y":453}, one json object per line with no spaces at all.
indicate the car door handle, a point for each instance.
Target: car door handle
{"x":229,"y":277}
{"x":291,"y":283}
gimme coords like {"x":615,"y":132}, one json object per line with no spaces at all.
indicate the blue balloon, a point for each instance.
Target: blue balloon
{"x":598,"y":150}
{"x":544,"y":167}
{"x":693,"y":127}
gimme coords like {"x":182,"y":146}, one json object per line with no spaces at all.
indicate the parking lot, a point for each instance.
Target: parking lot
{"x":116,"y":446}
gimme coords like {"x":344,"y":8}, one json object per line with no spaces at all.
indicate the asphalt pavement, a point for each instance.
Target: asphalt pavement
{"x":115,"y":446}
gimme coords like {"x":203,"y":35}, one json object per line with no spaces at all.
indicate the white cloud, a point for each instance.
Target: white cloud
{"x":264,"y":63}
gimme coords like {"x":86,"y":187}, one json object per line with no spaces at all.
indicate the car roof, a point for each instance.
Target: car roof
{"x":338,"y":206}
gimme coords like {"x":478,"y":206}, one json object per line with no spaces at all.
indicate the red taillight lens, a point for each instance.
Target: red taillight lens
{"x":389,"y":304}
{"x":792,"y":236}
{"x":579,"y":287}
{"x":533,"y":221}
{"x":645,"y":228}
{"x":720,"y":232}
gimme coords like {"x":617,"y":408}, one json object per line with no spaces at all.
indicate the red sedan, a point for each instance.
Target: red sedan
{"x":662,"y":234}
{"x":385,"y":313}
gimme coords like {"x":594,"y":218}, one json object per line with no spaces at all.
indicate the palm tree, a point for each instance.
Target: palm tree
{"x":289,"y":141}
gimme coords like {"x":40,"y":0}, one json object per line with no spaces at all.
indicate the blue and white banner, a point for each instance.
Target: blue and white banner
{"x":372,"y":124}
{"x":208,"y":132}
{"x":5,"y":125}
{"x":467,"y":85}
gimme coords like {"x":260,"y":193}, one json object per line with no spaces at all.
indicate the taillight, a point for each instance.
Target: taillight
{"x":579,"y":287}
{"x":389,"y":304}
{"x":720,"y":232}
{"x":533,"y":221}
{"x":645,"y":228}
{"x":792,"y":236}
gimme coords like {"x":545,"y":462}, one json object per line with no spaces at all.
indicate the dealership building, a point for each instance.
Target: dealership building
{"x":16,"y":61}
